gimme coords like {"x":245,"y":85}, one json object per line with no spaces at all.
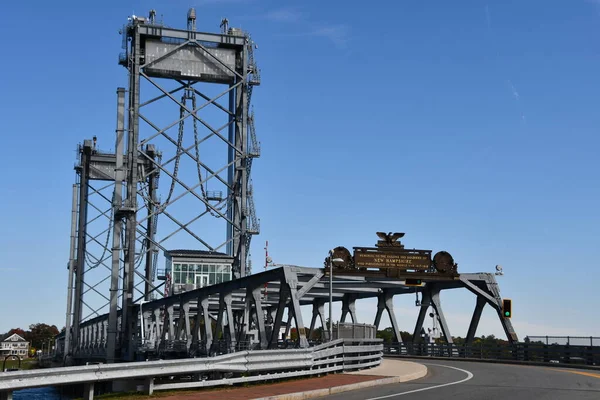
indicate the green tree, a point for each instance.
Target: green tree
{"x":41,"y":333}
{"x":387,"y":335}
{"x":406,"y":336}
{"x":18,"y":331}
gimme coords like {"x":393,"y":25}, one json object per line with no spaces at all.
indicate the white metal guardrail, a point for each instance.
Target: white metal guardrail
{"x":243,"y":366}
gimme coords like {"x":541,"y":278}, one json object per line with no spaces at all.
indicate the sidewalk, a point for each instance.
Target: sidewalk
{"x":390,"y":371}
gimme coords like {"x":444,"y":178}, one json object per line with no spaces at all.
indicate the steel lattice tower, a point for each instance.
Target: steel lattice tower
{"x":122,"y":219}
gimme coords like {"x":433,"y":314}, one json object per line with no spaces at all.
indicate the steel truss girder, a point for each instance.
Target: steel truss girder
{"x":292,"y":287}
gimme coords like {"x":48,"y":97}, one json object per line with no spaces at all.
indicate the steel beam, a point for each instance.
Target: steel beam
{"x":150,"y":232}
{"x":72,"y":267}
{"x":86,"y":152}
{"x":283,"y":299}
{"x":117,"y":227}
{"x":225,"y":40}
{"x":481,"y":301}
{"x":349,"y":306}
{"x":260,"y":317}
{"x":385,"y":301}
{"x":437,"y":306}
{"x":219,"y":324}
{"x":425,"y":304}
{"x":318,"y":311}
{"x":208,"y":336}
{"x":227,"y":299}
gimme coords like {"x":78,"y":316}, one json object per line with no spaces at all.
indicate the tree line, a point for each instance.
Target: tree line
{"x":37,"y":335}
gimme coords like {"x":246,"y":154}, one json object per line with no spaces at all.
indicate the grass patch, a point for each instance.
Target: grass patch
{"x":28,"y":363}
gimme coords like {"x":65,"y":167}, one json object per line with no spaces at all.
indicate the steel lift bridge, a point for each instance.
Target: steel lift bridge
{"x":178,"y":80}
{"x":171,"y":123}
{"x":210,"y":320}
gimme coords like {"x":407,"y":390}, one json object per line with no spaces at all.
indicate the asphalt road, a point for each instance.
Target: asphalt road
{"x":481,"y":381}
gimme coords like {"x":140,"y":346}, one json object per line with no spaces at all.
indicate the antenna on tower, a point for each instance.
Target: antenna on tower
{"x":191,"y":19}
{"x":224,"y":25}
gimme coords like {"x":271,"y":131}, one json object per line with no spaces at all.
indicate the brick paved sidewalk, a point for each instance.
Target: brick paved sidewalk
{"x":271,"y":389}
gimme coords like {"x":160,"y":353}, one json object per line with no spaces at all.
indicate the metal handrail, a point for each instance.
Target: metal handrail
{"x":523,"y":352}
{"x":244,"y":366}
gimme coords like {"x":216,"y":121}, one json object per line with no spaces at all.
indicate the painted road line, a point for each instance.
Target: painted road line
{"x":469,"y":377}
{"x":578,"y":372}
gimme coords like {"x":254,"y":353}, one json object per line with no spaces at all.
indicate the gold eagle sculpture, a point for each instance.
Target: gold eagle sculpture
{"x":390,"y":238}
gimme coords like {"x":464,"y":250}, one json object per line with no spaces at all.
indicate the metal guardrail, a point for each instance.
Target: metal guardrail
{"x":240,"y":367}
{"x":526,"y":352}
{"x":565,"y":340}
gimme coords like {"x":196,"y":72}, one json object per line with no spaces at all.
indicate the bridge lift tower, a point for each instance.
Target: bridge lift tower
{"x":175,"y":75}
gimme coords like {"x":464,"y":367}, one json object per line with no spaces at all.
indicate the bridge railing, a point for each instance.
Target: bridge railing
{"x":227,"y":369}
{"x":525,"y":352}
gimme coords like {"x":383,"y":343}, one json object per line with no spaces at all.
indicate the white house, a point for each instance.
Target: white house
{"x":14,"y":345}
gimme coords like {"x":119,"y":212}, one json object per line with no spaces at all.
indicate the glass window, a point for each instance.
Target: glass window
{"x":219,"y":277}
{"x":226,"y":277}
{"x":211,"y":278}
{"x":177,"y":267}
{"x":211,"y":268}
{"x":204,"y":268}
{"x":184,"y":267}
{"x":199,"y":268}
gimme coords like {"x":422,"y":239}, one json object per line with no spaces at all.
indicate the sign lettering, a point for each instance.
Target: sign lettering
{"x":401,"y":260}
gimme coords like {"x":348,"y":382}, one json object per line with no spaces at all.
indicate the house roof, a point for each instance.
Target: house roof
{"x":14,"y":338}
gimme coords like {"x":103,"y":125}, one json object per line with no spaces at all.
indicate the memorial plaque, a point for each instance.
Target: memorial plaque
{"x":403,"y":259}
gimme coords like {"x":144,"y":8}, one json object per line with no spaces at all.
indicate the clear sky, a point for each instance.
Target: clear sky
{"x":470,"y":125}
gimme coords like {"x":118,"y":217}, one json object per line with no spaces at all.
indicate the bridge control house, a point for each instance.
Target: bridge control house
{"x":187,"y":270}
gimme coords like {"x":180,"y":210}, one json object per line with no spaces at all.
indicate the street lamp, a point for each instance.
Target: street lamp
{"x":331,"y":261}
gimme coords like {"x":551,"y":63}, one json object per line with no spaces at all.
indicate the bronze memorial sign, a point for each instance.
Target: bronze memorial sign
{"x":391,"y":258}
{"x":402,"y":259}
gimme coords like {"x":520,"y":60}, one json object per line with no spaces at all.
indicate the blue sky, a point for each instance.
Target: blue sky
{"x":471,"y":126}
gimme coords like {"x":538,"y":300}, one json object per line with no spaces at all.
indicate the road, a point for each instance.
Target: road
{"x":477,"y":381}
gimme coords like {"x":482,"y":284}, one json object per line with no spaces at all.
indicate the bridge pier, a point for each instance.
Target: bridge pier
{"x":88,"y":391}
{"x":260,"y":317}
{"x":349,"y":306}
{"x":231,"y":343}
{"x":284,"y":295}
{"x":208,"y":337}
{"x":425,"y":303}
{"x":149,"y":387}
{"x":437,"y":306}
{"x":6,"y":395}
{"x":292,"y":284}
{"x":385,"y":301}
{"x":318,"y":311}
{"x":481,"y":302}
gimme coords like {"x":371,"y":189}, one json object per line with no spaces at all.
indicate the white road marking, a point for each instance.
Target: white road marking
{"x":469,"y":376}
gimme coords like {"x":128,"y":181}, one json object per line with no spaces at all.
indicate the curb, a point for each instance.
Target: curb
{"x":490,"y":361}
{"x":311,"y":394}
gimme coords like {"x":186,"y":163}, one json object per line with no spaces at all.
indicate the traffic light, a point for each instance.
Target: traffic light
{"x":413,"y":282}
{"x":507,"y":308}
